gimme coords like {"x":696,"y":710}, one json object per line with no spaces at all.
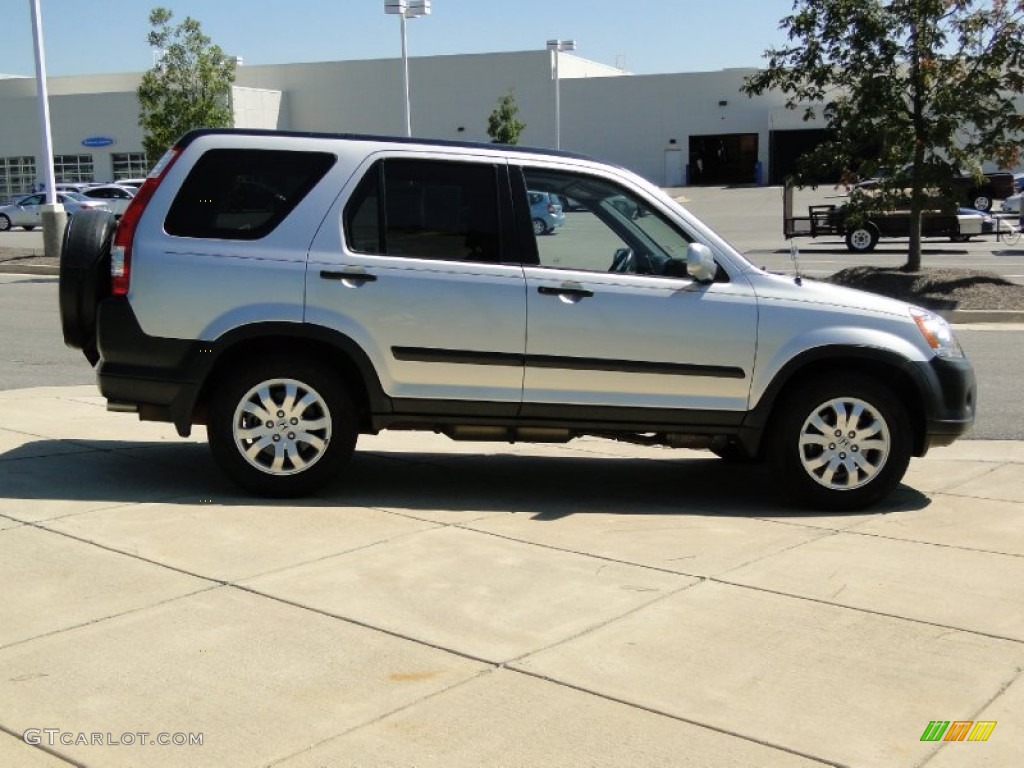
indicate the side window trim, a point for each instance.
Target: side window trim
{"x":522,"y":236}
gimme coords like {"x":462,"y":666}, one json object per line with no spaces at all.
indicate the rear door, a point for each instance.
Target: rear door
{"x":424,"y":280}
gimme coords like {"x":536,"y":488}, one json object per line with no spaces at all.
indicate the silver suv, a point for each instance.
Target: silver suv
{"x":291,"y":291}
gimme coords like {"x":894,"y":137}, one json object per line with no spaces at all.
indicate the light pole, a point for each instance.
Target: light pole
{"x":53,"y":216}
{"x":556,"y":47}
{"x":407,"y":9}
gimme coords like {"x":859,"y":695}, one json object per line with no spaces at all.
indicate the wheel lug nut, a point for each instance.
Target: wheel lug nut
{"x":270,"y":425}
{"x":294,"y":422}
{"x":831,"y":446}
{"x":852,"y":435}
{"x":842,"y":455}
{"x":839,"y":433}
{"x":855,"y":449}
{"x":291,"y":435}
{"x":280,"y":414}
{"x":277,"y":438}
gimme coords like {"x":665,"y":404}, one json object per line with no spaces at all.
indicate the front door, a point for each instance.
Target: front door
{"x":615,"y":323}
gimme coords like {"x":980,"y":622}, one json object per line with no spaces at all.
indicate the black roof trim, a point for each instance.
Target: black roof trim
{"x":191,"y":136}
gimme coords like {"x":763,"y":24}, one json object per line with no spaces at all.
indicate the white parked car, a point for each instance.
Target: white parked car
{"x":115,"y":196}
{"x":26,"y":212}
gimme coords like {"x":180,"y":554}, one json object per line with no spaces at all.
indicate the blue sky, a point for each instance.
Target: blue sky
{"x":649,"y":36}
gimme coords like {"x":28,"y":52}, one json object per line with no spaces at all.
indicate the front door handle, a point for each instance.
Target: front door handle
{"x":348,"y":275}
{"x":569,"y":291}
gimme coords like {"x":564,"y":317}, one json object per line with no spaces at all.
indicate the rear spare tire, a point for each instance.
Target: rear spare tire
{"x":84,"y":277}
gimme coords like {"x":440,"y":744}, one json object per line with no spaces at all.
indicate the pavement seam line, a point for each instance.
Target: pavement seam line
{"x":679,"y":718}
{"x":101,"y":619}
{"x":384,"y":716}
{"x":868,"y":611}
{"x":41,"y":747}
{"x":362,"y":624}
{"x":1002,"y":689}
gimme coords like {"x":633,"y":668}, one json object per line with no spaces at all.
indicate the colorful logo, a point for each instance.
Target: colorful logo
{"x":958,"y":730}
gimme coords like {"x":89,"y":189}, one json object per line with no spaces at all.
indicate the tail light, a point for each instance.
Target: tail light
{"x":552,"y":208}
{"x":121,"y":250}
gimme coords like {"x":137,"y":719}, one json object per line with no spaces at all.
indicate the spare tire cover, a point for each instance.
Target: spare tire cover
{"x":85,"y":277}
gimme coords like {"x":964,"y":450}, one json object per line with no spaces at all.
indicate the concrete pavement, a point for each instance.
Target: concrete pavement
{"x":458,"y":604}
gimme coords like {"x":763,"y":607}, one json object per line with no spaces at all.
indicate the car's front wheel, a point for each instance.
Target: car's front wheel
{"x":282,"y":427}
{"x":5,"y":222}
{"x":840,"y":442}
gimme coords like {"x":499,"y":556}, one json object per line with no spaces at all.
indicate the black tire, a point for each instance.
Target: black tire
{"x":539,"y":227}
{"x":286,"y":465}
{"x":28,"y":227}
{"x":84,"y":277}
{"x":960,"y":238}
{"x":846,"y":471}
{"x":862,"y":239}
{"x":5,"y":222}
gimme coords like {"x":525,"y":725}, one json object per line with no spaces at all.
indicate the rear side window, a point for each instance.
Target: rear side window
{"x":430,"y":210}
{"x":243,"y":194}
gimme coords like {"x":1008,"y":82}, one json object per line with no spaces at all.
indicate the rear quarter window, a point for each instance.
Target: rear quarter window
{"x":243,"y":194}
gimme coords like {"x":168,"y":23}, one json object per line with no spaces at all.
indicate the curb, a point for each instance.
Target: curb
{"x":29,"y":269}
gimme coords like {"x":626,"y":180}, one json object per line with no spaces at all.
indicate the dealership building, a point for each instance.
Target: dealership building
{"x":673,"y":129}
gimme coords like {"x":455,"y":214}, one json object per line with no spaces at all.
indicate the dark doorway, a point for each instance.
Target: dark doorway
{"x":726,"y":158}
{"x":785,"y":149}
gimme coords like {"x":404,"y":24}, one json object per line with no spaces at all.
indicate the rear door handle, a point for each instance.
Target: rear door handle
{"x":349,"y":275}
{"x":565,"y":290}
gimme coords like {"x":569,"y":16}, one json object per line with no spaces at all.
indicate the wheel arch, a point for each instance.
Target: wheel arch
{"x":321,"y":345}
{"x":887,"y":367}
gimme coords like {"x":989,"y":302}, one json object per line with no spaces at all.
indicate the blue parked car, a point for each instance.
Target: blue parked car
{"x":546,"y":213}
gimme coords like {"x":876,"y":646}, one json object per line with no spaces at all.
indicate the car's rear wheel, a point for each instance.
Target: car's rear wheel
{"x":983,"y":203}
{"x":281,"y":427}
{"x":84,"y":278}
{"x":840,"y":442}
{"x":5,"y":222}
{"x":539,"y":227}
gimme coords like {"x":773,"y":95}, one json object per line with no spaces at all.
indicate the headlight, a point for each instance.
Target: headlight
{"x":937,"y":333}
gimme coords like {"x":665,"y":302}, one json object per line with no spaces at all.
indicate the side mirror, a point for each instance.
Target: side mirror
{"x":700,"y":263}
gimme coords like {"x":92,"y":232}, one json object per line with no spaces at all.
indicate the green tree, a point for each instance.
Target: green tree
{"x":502,"y":125}
{"x":926,"y":87}
{"x":189,"y":87}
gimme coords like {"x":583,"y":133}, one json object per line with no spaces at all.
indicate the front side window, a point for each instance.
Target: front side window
{"x":426,"y":209}
{"x":243,"y":194}
{"x":600,"y":227}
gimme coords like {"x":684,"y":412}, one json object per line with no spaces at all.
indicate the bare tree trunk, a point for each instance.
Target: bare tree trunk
{"x":917,"y":200}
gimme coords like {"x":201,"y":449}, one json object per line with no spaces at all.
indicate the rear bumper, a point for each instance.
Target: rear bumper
{"x":161,"y":376}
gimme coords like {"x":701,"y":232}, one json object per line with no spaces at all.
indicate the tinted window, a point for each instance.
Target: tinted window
{"x":431,"y":210}
{"x":242,"y":194}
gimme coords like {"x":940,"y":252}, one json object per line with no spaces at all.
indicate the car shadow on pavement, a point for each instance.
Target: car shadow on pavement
{"x":547,"y":484}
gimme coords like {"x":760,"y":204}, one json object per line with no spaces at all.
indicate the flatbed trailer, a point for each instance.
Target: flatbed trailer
{"x":862,"y":237}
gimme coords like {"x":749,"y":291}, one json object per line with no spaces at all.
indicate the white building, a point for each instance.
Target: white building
{"x":671,"y":128}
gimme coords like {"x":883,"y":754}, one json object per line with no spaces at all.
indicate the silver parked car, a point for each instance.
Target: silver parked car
{"x":26,"y":212}
{"x":292,"y":291}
